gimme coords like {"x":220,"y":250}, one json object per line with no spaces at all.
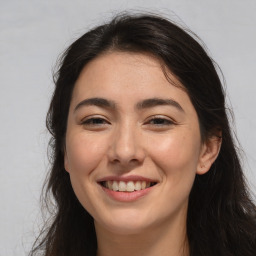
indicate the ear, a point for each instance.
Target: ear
{"x":209,"y":152}
{"x":66,"y":161}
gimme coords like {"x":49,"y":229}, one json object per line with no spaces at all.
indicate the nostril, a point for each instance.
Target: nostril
{"x":126,"y":150}
{"x":126,"y":162}
{"x":134,"y":160}
{"x":116,"y":161}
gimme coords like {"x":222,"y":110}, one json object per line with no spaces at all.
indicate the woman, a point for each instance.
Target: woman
{"x":144,"y":162}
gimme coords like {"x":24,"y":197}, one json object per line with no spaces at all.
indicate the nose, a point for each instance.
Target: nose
{"x":126,"y":146}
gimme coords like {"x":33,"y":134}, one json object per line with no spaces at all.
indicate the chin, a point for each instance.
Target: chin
{"x":128,"y":223}
{"x":126,"y":229}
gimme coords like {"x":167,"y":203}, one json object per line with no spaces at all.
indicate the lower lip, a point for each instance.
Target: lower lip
{"x":127,"y":196}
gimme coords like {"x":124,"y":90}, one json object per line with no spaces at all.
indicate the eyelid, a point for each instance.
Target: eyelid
{"x":94,"y":117}
{"x":161,"y":117}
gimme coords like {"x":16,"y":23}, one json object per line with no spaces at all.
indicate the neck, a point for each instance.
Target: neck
{"x":169,"y":239}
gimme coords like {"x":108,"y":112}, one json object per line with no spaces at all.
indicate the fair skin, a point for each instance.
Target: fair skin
{"x":133,"y":148}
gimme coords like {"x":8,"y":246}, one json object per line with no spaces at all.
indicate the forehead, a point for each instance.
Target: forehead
{"x":120,"y":66}
{"x":121,"y":76}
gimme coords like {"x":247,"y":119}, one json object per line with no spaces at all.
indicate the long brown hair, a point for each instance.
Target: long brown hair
{"x":221,"y":215}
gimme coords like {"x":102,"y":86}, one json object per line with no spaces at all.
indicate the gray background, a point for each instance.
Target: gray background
{"x":34,"y":33}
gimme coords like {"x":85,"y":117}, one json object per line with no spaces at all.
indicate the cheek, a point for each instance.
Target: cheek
{"x":177,"y":157}
{"x":83,"y":154}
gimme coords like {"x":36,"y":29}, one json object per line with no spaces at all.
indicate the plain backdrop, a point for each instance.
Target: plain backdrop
{"x":32,"y":35}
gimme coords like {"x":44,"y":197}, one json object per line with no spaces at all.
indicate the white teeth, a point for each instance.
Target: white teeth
{"x":129,"y":186}
{"x":109,"y":184}
{"x":122,"y":186}
{"x":115,"y":186}
{"x":138,"y":185}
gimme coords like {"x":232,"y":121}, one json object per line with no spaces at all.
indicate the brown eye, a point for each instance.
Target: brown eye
{"x":160,"y":121}
{"x":95,"y":121}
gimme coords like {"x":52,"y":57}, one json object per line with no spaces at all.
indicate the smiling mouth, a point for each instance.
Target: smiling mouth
{"x":129,"y":186}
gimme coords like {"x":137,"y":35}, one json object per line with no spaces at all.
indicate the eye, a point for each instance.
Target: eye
{"x":94,"y":122}
{"x":160,"y":121}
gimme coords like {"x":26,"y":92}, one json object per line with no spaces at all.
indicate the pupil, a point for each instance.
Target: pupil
{"x":159,"y":121}
{"x":97,"y":121}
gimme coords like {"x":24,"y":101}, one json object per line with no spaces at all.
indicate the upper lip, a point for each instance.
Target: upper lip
{"x":126,"y":178}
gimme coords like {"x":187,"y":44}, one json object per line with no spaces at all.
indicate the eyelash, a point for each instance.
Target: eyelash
{"x":153,"y":121}
{"x":160,"y":121}
{"x":94,"y":121}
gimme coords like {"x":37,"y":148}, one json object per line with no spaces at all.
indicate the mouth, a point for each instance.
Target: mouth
{"x":127,"y":186}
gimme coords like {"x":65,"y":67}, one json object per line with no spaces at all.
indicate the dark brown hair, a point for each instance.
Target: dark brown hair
{"x":221,"y":216}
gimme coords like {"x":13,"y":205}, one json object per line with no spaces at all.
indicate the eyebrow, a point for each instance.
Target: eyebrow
{"x":144,"y":104}
{"x":149,"y":103}
{"x":99,"y":102}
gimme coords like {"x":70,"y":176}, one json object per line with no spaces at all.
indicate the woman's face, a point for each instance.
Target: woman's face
{"x":133,"y":144}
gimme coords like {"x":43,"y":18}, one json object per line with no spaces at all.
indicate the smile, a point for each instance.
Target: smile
{"x":127,"y":186}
